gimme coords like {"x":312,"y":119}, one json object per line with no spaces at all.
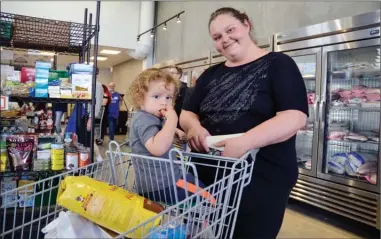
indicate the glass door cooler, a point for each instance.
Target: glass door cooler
{"x":309,"y":64}
{"x":340,"y":64}
{"x":351,"y":123}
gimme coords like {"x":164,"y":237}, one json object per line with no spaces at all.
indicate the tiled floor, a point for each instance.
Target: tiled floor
{"x":304,"y":221}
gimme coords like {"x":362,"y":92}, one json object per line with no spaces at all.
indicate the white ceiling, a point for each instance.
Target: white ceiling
{"x":23,"y":58}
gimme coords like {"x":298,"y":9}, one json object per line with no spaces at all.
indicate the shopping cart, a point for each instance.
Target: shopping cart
{"x":213,"y":216}
{"x":128,"y":124}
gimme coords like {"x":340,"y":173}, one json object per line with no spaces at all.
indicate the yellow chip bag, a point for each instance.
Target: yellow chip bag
{"x":108,"y":205}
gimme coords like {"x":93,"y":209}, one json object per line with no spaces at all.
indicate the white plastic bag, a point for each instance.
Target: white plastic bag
{"x":72,"y":225}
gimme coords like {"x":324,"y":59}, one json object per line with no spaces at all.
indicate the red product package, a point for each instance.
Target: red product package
{"x":28,"y":74}
{"x":20,"y":152}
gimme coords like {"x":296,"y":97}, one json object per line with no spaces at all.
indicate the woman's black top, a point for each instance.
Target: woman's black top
{"x":231,"y":100}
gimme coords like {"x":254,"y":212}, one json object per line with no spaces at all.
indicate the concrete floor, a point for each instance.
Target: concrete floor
{"x":305,"y":221}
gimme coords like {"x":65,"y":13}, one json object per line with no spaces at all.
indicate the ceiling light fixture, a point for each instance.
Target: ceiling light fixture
{"x":109,"y":52}
{"x":164,"y":24}
{"x":99,"y":58}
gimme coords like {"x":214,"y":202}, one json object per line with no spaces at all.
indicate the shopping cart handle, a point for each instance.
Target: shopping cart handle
{"x":253,"y":155}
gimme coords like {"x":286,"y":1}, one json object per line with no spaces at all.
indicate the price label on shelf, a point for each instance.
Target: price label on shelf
{"x":4,"y":103}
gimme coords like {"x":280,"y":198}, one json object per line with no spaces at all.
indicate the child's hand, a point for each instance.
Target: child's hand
{"x":169,"y":113}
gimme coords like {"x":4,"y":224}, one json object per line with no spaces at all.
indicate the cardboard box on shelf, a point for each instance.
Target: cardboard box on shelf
{"x":81,"y":85}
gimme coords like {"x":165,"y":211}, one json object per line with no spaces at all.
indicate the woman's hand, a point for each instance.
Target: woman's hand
{"x":181,"y":135}
{"x":197,"y":138}
{"x":234,"y":147}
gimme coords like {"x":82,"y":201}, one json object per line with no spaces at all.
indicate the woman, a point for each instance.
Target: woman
{"x":262,"y":95}
{"x":177,"y":73}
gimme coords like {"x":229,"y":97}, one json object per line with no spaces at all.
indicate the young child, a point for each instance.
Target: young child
{"x":154,"y":126}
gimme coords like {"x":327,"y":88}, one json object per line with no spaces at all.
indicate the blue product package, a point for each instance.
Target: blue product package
{"x":178,"y":232}
{"x":41,"y":95}
{"x":39,"y":91}
{"x":31,"y":91}
{"x":43,"y":65}
{"x":76,"y":68}
{"x":41,"y":86}
{"x":42,"y":73}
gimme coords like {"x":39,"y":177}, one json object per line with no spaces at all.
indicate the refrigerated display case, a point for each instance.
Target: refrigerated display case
{"x":308,"y":62}
{"x":340,"y":64}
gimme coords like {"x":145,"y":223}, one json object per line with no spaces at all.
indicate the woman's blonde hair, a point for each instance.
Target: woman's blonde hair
{"x":140,"y":85}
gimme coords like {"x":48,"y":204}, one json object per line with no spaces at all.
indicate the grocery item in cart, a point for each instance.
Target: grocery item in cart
{"x":107,"y":205}
{"x":20,"y":151}
{"x":212,"y":140}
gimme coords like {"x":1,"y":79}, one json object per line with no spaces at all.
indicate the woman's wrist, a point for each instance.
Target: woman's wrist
{"x":248,"y":141}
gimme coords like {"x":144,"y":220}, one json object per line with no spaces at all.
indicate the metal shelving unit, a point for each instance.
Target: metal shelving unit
{"x":48,"y":100}
{"x":26,"y":32}
{"x":18,"y":32}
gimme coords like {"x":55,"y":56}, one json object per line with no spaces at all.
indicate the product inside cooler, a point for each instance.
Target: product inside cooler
{"x":353,"y":114}
{"x":304,"y":138}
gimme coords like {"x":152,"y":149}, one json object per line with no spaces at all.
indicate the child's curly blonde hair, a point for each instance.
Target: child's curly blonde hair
{"x":140,"y":85}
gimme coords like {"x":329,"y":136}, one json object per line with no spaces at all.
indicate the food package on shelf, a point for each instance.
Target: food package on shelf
{"x":26,"y":192}
{"x":9,"y":200}
{"x":28,"y":74}
{"x":107,"y":205}
{"x":42,"y":79}
{"x":11,"y":82}
{"x":3,"y":157}
{"x":80,"y":68}
{"x":20,"y":151}
{"x":54,"y":91}
{"x":355,"y":137}
{"x":81,"y":85}
{"x":335,"y":167}
{"x":66,"y":93}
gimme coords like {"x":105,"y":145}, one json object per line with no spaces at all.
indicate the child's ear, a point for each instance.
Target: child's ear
{"x":140,"y":100}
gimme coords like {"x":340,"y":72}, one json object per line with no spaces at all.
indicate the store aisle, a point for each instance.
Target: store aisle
{"x":305,"y":221}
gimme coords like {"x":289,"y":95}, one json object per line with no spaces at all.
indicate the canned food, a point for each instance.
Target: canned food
{"x":57,"y":167}
{"x":84,"y":158}
{"x":57,"y":146}
{"x":71,"y":157}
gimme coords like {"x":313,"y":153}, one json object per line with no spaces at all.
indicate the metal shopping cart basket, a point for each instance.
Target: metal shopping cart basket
{"x":196,"y":216}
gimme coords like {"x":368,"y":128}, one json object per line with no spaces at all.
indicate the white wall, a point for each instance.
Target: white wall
{"x":105,"y":76}
{"x":123,"y":74}
{"x":191,"y":39}
{"x":118,"y":19}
